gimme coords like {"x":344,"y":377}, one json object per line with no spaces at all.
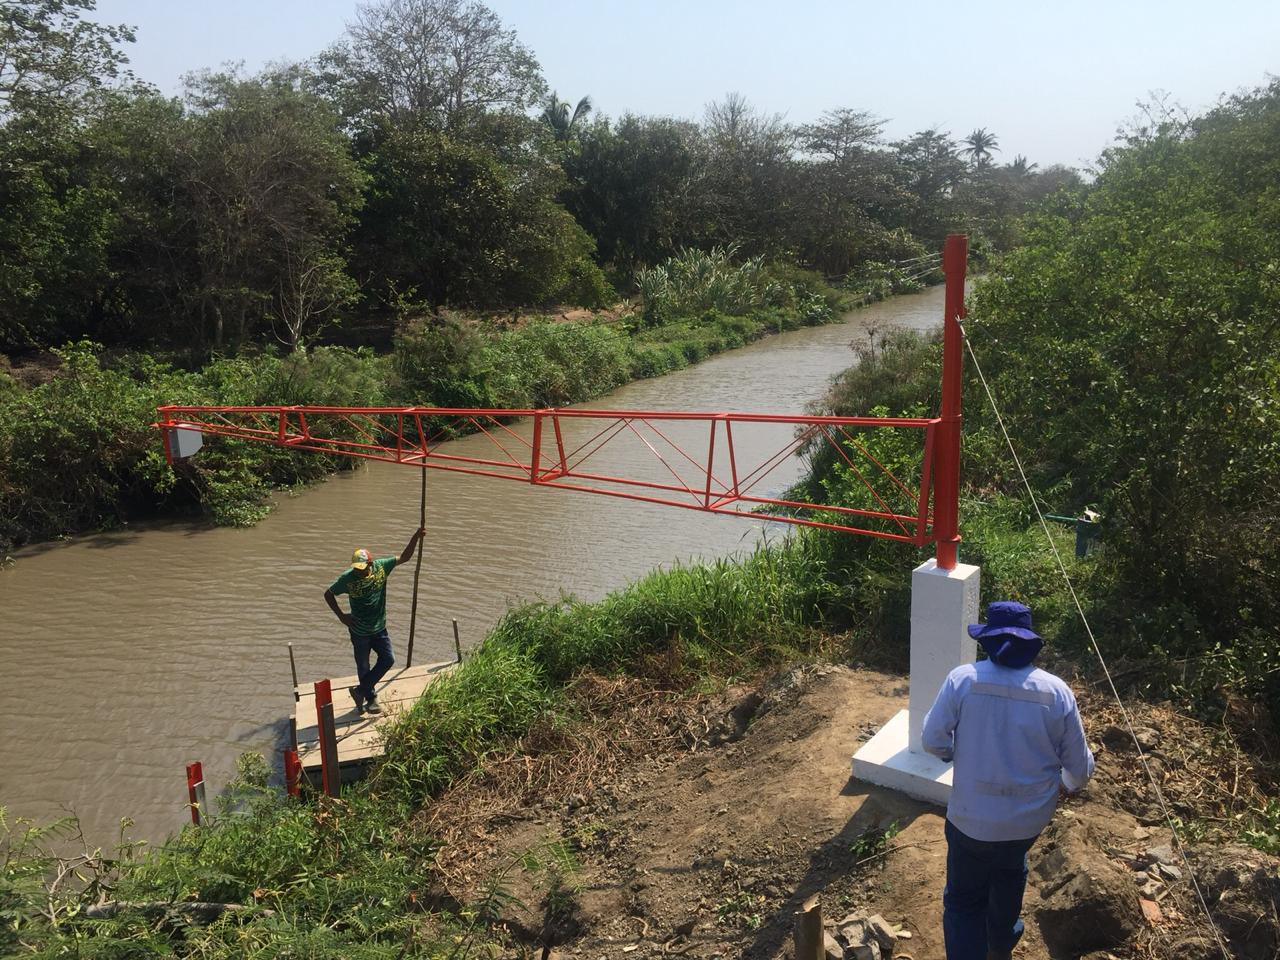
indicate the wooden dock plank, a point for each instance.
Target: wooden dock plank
{"x":359,"y":737}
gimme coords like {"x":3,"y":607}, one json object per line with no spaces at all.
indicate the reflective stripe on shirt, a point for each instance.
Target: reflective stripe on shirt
{"x":1043,"y":697}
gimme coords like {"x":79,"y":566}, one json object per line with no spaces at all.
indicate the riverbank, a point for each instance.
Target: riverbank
{"x":689,"y":803}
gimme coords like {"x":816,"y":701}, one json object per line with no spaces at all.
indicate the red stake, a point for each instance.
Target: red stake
{"x":195,"y":775}
{"x":292,"y":773}
{"x":328,"y":761}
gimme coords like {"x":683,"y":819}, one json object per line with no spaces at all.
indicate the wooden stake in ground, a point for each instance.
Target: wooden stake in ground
{"x":417,"y":569}
{"x":808,"y":934}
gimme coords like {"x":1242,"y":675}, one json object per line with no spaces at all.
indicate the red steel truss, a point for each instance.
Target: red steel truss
{"x":721,"y":475}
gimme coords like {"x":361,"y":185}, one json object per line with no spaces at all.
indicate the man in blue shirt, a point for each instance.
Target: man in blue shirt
{"x":1015,"y":736}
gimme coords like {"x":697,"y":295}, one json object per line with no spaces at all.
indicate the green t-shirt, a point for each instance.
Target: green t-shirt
{"x":368,"y":595}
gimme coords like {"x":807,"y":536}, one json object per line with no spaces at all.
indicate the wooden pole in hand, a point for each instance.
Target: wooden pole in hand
{"x":422,"y":522}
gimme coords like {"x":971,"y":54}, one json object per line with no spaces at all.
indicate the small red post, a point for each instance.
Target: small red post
{"x":946,"y":491}
{"x":195,"y":776}
{"x":292,"y":773}
{"x":329,"y":776}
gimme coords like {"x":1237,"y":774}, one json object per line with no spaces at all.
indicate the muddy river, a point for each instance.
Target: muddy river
{"x":126,"y":655}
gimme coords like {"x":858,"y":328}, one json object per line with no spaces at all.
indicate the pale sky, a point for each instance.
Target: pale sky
{"x":1051,"y":80}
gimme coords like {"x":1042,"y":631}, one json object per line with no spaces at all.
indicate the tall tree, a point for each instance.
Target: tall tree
{"x":842,"y":193}
{"x":50,"y":55}
{"x":1021,"y":167}
{"x":747,"y":177}
{"x":635,"y":187}
{"x":842,"y":135}
{"x":432,"y":63}
{"x":58,"y":210}
{"x":271,"y":190}
{"x":470,"y":221}
{"x":929,"y":168}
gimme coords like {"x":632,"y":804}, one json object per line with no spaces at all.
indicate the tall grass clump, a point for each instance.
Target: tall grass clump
{"x":695,"y":281}
{"x":727,"y":616}
{"x":494,"y":697}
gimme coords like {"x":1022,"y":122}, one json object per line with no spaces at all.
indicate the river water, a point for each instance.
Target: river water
{"x":124,"y":656}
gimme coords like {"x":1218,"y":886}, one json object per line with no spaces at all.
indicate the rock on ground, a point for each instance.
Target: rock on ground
{"x":1242,"y":887}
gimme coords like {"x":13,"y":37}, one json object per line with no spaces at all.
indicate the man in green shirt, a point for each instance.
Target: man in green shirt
{"x":365,"y":583}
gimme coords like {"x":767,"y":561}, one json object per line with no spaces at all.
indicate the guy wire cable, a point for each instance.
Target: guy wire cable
{"x":1097,"y":651}
{"x":927,"y":256}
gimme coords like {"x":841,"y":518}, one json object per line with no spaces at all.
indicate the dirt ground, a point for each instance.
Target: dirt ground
{"x":699,"y":825}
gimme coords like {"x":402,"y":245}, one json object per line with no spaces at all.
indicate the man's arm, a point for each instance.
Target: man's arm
{"x":1074,"y":753}
{"x":332,"y":601}
{"x":938,"y":735}
{"x":413,"y":542}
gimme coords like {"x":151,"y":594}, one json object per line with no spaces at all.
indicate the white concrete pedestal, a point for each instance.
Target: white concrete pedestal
{"x":943,"y":604}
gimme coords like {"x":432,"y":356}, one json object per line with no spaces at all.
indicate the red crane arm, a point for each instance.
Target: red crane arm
{"x":714,"y":462}
{"x":730,"y":478}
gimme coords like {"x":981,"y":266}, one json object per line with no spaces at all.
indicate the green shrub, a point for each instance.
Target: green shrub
{"x":695,"y":281}
{"x":79,"y":451}
{"x":436,"y":362}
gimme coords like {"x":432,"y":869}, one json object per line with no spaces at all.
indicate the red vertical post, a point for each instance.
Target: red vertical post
{"x":292,"y":772}
{"x":946,"y":489}
{"x":328,"y":762}
{"x":536,"y":455}
{"x":195,"y":775}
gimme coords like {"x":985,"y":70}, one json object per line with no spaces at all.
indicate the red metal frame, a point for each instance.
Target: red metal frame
{"x":728,"y":480}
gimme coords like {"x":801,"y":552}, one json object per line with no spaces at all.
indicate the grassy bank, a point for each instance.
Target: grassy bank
{"x":77,"y":452}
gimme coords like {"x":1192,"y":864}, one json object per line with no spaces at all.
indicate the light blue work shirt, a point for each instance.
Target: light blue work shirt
{"x":1014,"y":734}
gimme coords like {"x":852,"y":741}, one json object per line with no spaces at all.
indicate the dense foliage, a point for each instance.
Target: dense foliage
{"x":1133,"y":345}
{"x":405,"y":165}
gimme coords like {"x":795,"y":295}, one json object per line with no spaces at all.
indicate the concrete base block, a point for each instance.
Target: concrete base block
{"x":943,"y":604}
{"x":885,"y":761}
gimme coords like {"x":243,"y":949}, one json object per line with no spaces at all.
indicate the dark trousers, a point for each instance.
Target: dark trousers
{"x":983,"y":898}
{"x":379,"y":643}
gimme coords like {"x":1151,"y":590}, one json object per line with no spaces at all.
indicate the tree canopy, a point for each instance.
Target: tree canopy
{"x":419,"y":159}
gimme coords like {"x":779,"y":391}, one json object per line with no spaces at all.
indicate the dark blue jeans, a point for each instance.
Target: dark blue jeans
{"x":983,"y":898}
{"x":380,"y":644}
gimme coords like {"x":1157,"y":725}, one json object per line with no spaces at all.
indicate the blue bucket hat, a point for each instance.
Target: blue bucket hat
{"x":1007,"y":635}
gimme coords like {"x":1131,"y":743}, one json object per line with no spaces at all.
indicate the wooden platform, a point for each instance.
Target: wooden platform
{"x":359,"y":737}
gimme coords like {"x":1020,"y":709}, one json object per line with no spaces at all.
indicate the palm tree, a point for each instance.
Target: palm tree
{"x":556,"y":115}
{"x":980,"y":146}
{"x":1021,"y":168}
